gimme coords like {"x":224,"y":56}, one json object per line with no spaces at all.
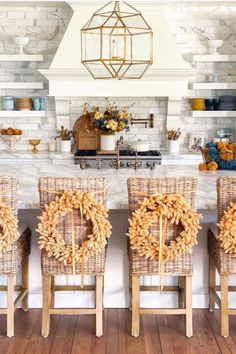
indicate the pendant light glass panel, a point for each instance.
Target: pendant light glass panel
{"x":117,"y":43}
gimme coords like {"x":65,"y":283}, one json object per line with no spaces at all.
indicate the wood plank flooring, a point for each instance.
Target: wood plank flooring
{"x":159,"y":334}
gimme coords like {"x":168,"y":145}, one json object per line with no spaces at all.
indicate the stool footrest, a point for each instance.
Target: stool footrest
{"x":230,"y":288}
{"x":157,"y":288}
{"x":16,"y":288}
{"x":74,"y":288}
{"x":72,"y":311}
{"x":163,"y":311}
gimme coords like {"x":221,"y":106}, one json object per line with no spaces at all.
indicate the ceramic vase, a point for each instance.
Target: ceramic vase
{"x":173,"y":147}
{"x":108,"y":142}
{"x":65,"y":146}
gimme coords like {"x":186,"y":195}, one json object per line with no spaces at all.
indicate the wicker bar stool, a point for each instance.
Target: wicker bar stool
{"x":223,"y":262}
{"x":51,"y":267}
{"x":17,"y":257}
{"x":141,"y":266}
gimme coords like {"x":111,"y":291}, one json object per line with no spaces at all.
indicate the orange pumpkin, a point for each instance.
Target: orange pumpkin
{"x":212,"y":166}
{"x":221,"y":144}
{"x":202,"y":166}
{"x":226,"y":154}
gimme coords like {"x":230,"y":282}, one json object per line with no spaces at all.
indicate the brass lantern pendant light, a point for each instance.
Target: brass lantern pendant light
{"x":116,"y":43}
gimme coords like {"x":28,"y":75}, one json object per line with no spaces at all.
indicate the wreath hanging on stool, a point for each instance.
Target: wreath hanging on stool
{"x":8,"y":228}
{"x":227,"y":226}
{"x":165,"y":207}
{"x":91,"y":210}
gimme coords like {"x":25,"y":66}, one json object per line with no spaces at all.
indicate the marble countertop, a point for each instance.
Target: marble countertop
{"x":58,"y":157}
{"x":27,"y":156}
{"x":28,"y":175}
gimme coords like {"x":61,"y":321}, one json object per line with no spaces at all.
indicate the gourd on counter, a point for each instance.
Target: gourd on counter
{"x":219,"y":155}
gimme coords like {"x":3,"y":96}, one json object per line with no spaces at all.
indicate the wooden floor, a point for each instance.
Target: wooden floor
{"x":159,"y":334}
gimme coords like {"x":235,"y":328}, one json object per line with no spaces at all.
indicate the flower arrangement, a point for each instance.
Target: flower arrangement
{"x":111,"y":120}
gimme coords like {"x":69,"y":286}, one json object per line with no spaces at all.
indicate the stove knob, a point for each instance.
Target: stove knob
{"x":128,"y":164}
{"x":122,"y":164}
{"x":87,"y":165}
{"x":155,"y":164}
{"x":82,"y":165}
{"x":148,"y":164}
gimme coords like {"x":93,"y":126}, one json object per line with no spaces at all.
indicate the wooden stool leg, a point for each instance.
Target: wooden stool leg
{"x":46,"y":305}
{"x":212,"y":283}
{"x":188,"y":301}
{"x":10,"y":305}
{"x":130,"y":292}
{"x":25,"y":283}
{"x":181,"y":295}
{"x":99,"y":305}
{"x":135,"y":306}
{"x":224,"y":306}
{"x":52,"y":291}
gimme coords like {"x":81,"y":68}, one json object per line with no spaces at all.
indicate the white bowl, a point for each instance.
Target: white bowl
{"x":21,"y":41}
{"x":11,"y":139}
{"x":214,"y":44}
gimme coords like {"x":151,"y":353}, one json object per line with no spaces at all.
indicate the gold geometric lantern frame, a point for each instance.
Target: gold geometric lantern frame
{"x":117,"y":43}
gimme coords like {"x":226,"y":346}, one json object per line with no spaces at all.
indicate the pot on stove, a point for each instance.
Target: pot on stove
{"x":139,"y":145}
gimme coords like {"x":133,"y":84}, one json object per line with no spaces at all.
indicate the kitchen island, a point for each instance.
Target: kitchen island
{"x":29,"y":170}
{"x":116,"y":277}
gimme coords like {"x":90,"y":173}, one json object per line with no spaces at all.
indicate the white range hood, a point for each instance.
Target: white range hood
{"x":168,"y":76}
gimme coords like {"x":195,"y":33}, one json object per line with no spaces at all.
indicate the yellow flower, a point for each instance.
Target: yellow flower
{"x":113,"y":124}
{"x":98,"y":115}
{"x":122,"y":115}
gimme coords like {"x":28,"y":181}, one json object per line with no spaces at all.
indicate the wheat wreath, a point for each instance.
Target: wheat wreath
{"x":91,"y":210}
{"x":165,"y":207}
{"x":227,"y":226}
{"x":8,"y":228}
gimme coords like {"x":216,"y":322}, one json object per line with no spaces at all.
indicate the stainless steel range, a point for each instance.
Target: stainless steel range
{"x":123,"y":159}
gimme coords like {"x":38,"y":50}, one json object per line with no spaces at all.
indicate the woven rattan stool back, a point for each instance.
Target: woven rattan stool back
{"x":49,"y":189}
{"x":226,"y":193}
{"x":9,"y":192}
{"x":185,"y":186}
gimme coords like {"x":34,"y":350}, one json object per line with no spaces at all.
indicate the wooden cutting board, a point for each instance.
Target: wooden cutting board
{"x":85,"y":137}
